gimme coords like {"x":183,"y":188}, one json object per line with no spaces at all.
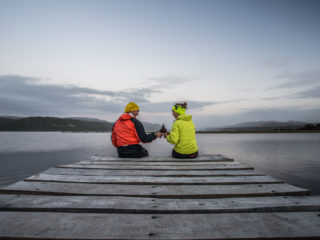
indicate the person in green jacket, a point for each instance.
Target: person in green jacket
{"x":182,"y":134}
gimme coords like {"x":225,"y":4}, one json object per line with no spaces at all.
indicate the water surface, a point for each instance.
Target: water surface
{"x":291,"y":157}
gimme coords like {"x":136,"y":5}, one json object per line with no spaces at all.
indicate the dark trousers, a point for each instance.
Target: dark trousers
{"x":180,"y":155}
{"x":132,"y":151}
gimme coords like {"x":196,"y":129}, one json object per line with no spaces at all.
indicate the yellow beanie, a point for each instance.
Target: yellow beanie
{"x":179,"y":109}
{"x":131,"y":106}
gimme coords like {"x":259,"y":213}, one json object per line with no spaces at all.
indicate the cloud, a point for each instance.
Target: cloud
{"x":272,"y":98}
{"x":310,"y":93}
{"x":277,"y":63}
{"x":280,"y":114}
{"x":27,"y":96}
{"x":21,"y":95}
{"x":284,"y":114}
{"x":169,"y":81}
{"x":167,"y":106}
{"x":298,"y":80}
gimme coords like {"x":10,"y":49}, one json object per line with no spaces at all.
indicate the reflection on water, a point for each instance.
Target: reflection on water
{"x":14,"y":142}
{"x":293,"y":158}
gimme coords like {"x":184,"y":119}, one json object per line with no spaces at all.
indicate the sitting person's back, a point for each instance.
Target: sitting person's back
{"x":128,"y":132}
{"x":182,"y":133}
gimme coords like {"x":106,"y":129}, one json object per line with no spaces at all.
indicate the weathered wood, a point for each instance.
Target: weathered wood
{"x":29,"y":225}
{"x":105,"y":197}
{"x":98,"y":204}
{"x":213,"y":158}
{"x":146,"y":180}
{"x":171,"y":173}
{"x":156,"y":191}
{"x":159,"y":168}
{"x":134,"y":163}
{"x":148,"y":160}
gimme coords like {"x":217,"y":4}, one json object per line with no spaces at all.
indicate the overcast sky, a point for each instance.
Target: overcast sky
{"x":231,"y":60}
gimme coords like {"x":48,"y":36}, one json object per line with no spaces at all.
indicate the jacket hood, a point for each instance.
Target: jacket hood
{"x":125,"y":116}
{"x":184,"y":117}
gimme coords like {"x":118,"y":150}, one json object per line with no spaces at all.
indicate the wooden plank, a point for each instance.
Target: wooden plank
{"x":134,"y":163}
{"x":152,"y":160}
{"x":30,"y":225}
{"x":159,"y":168}
{"x":155,"y":191}
{"x":171,"y":173}
{"x":146,"y":180}
{"x":214,"y":158}
{"x":98,"y":204}
{"x":157,"y":198}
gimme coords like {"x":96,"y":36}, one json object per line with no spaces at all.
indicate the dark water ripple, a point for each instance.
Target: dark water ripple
{"x":294,"y":158}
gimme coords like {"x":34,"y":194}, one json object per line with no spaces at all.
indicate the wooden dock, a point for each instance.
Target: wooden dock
{"x":104,"y":197}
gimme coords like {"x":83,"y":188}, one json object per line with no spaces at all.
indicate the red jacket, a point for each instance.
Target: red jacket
{"x":124,"y":132}
{"x":128,"y":130}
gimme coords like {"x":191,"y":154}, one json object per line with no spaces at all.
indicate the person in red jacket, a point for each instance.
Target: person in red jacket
{"x":128,"y":132}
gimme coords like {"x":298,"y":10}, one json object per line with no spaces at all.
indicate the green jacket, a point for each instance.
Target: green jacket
{"x":183,"y":135}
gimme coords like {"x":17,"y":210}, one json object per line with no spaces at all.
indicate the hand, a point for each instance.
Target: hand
{"x":159,"y":134}
{"x":165,"y":135}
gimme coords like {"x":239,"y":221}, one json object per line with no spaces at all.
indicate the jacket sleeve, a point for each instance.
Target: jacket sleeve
{"x":174,"y":134}
{"x":113,"y":137}
{"x":143,"y":136}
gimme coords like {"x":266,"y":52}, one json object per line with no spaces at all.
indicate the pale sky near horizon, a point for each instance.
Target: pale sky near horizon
{"x":231,"y":60}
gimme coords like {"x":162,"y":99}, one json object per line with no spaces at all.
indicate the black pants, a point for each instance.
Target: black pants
{"x":180,"y":155}
{"x":132,"y":151}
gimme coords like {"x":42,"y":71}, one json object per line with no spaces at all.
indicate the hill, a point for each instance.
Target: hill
{"x":268,"y":126}
{"x":74,"y":124}
{"x":52,"y":124}
{"x":151,"y":127}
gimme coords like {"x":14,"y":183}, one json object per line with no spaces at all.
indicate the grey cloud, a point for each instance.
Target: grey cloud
{"x":192,"y":105}
{"x":266,"y":114}
{"x":310,"y":93}
{"x":167,"y":106}
{"x":170,"y":81}
{"x":298,"y":80}
{"x":28,"y":85}
{"x":140,"y":94}
{"x":283,"y":114}
{"x":25,"y":95}
{"x":21,"y":95}
{"x":272,"y":98}
{"x":277,"y":63}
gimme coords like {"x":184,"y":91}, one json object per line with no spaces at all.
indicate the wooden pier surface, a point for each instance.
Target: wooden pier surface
{"x":104,"y":197}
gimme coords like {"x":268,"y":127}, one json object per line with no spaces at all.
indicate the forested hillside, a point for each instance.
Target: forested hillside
{"x":53,"y":124}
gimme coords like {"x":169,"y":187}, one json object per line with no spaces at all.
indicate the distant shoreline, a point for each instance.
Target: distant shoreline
{"x":86,"y":125}
{"x":197,"y":132}
{"x":302,"y":131}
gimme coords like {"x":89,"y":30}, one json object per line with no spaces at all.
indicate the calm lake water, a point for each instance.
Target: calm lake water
{"x":294,"y":158}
